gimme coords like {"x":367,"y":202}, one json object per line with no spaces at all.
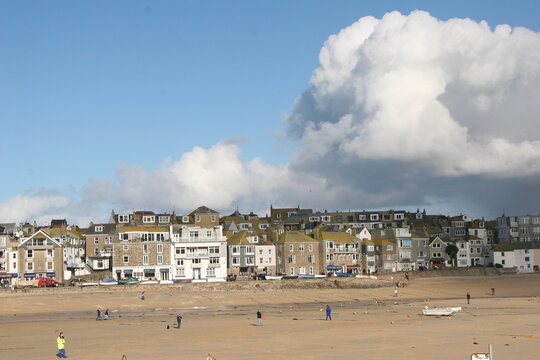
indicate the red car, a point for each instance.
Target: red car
{"x":47,"y":282}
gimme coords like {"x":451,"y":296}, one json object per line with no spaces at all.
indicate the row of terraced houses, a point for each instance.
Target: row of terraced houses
{"x":289,"y":241}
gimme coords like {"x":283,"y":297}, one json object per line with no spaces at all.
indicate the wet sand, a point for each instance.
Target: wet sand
{"x":366,"y":322}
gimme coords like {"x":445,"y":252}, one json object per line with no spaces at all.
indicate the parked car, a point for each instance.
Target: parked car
{"x":231,"y":277}
{"x":47,"y":282}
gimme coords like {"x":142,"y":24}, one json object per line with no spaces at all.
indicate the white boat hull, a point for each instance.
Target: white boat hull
{"x":273,"y":277}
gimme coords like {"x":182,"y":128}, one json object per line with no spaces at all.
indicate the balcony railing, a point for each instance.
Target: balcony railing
{"x":195,"y":255}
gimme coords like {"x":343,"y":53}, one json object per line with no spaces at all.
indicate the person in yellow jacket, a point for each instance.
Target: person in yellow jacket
{"x":61,"y":342}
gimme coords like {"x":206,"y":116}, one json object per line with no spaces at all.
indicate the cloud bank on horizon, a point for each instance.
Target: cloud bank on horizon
{"x":401,"y":111}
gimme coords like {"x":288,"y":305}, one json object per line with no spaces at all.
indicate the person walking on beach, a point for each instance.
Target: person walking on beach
{"x":142,"y":295}
{"x":178,"y":321}
{"x":395,"y":292}
{"x":492,"y":291}
{"x":98,"y":317}
{"x":106,"y":316}
{"x":61,"y":343}
{"x":259,"y":318}
{"x":328,"y":312}
{"x":468,"y":298}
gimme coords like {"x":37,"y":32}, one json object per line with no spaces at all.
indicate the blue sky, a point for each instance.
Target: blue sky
{"x":86,"y":86}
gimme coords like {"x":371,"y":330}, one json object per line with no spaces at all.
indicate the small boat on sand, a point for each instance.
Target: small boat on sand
{"x":449,"y":311}
{"x":182,"y":281}
{"x":108,"y":282}
{"x":269,"y":277}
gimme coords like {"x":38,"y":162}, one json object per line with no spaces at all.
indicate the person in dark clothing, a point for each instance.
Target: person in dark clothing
{"x":492,"y":291}
{"x":328,"y":312}
{"x":259,"y":318}
{"x":468,"y":298}
{"x":106,"y":316}
{"x":98,"y":317}
{"x":178,"y":321}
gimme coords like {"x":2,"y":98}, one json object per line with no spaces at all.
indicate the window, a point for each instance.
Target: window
{"x":213,"y":249}
{"x":460,"y":232}
{"x":421,"y":254}
{"x":125,"y":247}
{"x":436,"y":245}
{"x":96,"y":241}
{"x":193,"y":235}
{"x":311,"y":259}
{"x":98,"y":228}
{"x":389,"y":247}
{"x":185,"y":219}
{"x":196,"y":261}
{"x":399,"y":216}
{"x":292,"y":259}
{"x":374,"y":217}
{"x":329,"y":257}
{"x":301,"y":247}
{"x":235,"y":250}
{"x":209,"y":234}
{"x":214,"y":260}
{"x":325,"y":218}
{"x":291,"y":248}
{"x":370,"y":248}
{"x":405,"y":243}
{"x":164,"y":219}
{"x":145,"y":249}
{"x":29,"y":253}
{"x":329,"y":244}
{"x":263,"y":226}
{"x":180,"y":272}
{"x":310,"y":247}
{"x":50,"y":253}
{"x":261,"y":260}
{"x":250,"y":260}
{"x":503,"y":262}
{"x":211,"y":272}
{"x":179,"y":262}
{"x":149,"y":219}
{"x":145,"y":260}
{"x":302,"y":270}
{"x":235,"y":260}
{"x":291,"y":271}
{"x":214,"y":218}
{"x":107,"y":240}
{"x":389,"y":256}
{"x":126,"y":259}
{"x":29,"y":266}
{"x":159,"y":248}
{"x":50,"y":265}
{"x":124,"y":237}
{"x":160,"y":259}
{"x":197,"y":218}
{"x":250,"y":249}
{"x":123,"y":218}
{"x":527,"y":258}
{"x":355,"y":257}
{"x":386,"y":217}
{"x":96,"y":251}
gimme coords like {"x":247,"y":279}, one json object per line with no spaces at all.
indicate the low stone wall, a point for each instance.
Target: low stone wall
{"x":252,"y":285}
{"x":470,"y":271}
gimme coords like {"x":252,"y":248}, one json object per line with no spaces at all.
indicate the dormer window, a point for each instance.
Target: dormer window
{"x":185,"y":219}
{"x":197,"y":218}
{"x":164,"y":219}
{"x":149,"y":219}
{"x":98,"y":228}
{"x":374,"y":217}
{"x":123,"y":219}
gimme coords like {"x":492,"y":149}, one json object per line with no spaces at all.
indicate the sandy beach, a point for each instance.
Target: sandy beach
{"x":367,"y":323}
